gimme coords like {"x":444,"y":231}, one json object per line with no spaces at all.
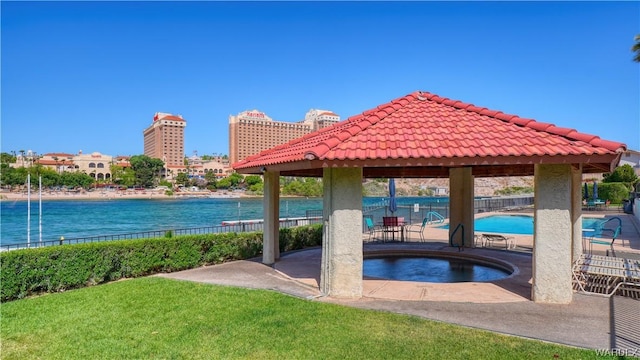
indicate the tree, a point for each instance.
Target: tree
{"x":253,"y":180}
{"x":147,"y":170}
{"x":224,"y":183}
{"x":124,"y":176}
{"x":5,"y":175}
{"x":76,"y":179}
{"x":636,"y":48}
{"x":235,"y":179}
{"x":614,"y":192}
{"x":182,"y":178}
{"x":6,"y":158}
{"x":257,"y":189}
{"x":211,"y":179}
{"x":50,"y":177}
{"x":302,"y":187}
{"x":622,"y":174}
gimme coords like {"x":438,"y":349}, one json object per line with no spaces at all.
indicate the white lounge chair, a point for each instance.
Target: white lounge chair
{"x":489,"y":239}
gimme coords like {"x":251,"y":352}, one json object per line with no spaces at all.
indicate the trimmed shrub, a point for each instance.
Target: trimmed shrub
{"x":57,"y":268}
{"x":613,"y":191}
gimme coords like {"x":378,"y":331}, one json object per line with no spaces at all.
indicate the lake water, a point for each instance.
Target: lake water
{"x":85,"y":218}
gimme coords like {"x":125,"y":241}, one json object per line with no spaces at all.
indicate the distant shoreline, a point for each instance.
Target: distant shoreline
{"x":116,"y":195}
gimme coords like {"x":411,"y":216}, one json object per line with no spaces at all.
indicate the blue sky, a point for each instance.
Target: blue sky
{"x":90,"y":75}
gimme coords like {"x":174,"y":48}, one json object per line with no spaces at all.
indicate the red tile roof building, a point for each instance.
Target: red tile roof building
{"x":96,"y":165}
{"x":164,"y":138}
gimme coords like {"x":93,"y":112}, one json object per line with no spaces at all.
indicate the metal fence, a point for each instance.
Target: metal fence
{"x":410,"y":213}
{"x":246,"y":226}
{"x":415,"y":213}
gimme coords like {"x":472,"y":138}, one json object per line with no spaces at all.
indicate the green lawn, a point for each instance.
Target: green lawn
{"x":156,"y":318}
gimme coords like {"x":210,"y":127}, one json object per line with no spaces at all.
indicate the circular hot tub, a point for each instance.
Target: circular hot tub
{"x":434,"y":266}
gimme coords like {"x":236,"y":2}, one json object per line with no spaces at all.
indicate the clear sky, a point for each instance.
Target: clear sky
{"x":90,"y":75}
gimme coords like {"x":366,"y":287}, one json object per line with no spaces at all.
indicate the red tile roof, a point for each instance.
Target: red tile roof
{"x":60,"y":155}
{"x":423,"y":134}
{"x":170,"y":117}
{"x":54,"y":162}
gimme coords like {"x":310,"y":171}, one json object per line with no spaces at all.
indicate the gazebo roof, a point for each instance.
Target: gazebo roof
{"x":423,"y":135}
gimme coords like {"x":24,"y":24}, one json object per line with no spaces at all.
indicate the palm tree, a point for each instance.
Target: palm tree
{"x":636,"y":48}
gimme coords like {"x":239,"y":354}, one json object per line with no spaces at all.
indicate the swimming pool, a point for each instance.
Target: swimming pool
{"x":516,"y":224}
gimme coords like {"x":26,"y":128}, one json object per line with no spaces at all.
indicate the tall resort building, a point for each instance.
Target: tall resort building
{"x":253,"y":131}
{"x":164,"y":139}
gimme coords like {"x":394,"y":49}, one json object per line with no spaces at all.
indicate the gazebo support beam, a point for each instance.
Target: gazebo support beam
{"x":341,"y":273}
{"x":461,"y":192}
{"x":553,"y":233}
{"x":576,"y":213}
{"x":271,"y":204}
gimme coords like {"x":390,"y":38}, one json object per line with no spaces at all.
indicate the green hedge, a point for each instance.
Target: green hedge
{"x":57,"y":268}
{"x":614,"y":192}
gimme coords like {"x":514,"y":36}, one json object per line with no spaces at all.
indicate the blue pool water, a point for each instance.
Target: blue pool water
{"x":516,"y":224}
{"x":430,"y":269}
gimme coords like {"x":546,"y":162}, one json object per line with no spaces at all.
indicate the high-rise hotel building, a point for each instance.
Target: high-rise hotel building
{"x":253,"y":131}
{"x":164,"y":139}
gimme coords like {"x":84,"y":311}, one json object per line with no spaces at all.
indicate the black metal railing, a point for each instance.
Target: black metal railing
{"x":416,"y":213}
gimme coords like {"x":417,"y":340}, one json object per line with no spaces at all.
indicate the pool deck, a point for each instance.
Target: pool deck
{"x":503,"y":306}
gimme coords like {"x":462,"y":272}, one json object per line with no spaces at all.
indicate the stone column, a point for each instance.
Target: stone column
{"x":341,"y":273}
{"x":576,"y":210}
{"x":461,"y":205}
{"x":553,"y":234}
{"x":271,"y":203}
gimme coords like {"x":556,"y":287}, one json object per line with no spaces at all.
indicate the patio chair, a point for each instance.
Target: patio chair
{"x":371,"y":228}
{"x":478,"y":240}
{"x":390,"y":225}
{"x":616,"y":233}
{"x":417,"y":228}
{"x":489,"y":239}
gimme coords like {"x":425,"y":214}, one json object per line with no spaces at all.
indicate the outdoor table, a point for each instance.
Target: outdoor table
{"x":595,"y":204}
{"x":393,"y":224}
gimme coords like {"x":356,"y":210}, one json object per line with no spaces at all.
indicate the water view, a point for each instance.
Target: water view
{"x":85,"y":218}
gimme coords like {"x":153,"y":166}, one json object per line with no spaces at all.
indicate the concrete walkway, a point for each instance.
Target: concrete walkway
{"x":503,"y":306}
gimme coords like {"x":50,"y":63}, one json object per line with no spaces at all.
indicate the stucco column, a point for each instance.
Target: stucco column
{"x":341,"y":273}
{"x":553,"y":234}
{"x":576,"y":210}
{"x":271,"y":203}
{"x":461,"y":204}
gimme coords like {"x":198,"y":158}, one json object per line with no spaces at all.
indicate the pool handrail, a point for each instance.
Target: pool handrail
{"x":434,"y":214}
{"x":459,"y":246}
{"x":613,"y":218}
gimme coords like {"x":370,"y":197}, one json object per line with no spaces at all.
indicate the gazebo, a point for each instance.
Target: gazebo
{"x":423,"y":135}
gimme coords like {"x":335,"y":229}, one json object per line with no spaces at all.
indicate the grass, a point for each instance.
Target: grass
{"x":157,"y":318}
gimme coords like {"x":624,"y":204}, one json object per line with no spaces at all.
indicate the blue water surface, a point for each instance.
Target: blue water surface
{"x":518,"y":224}
{"x":100,"y":217}
{"x":430,"y":269}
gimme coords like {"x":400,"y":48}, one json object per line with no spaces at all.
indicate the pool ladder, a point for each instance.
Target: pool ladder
{"x":461,"y":245}
{"x":431,"y":215}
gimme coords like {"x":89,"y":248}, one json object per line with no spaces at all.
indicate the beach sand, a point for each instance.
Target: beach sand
{"x":112,"y":195}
